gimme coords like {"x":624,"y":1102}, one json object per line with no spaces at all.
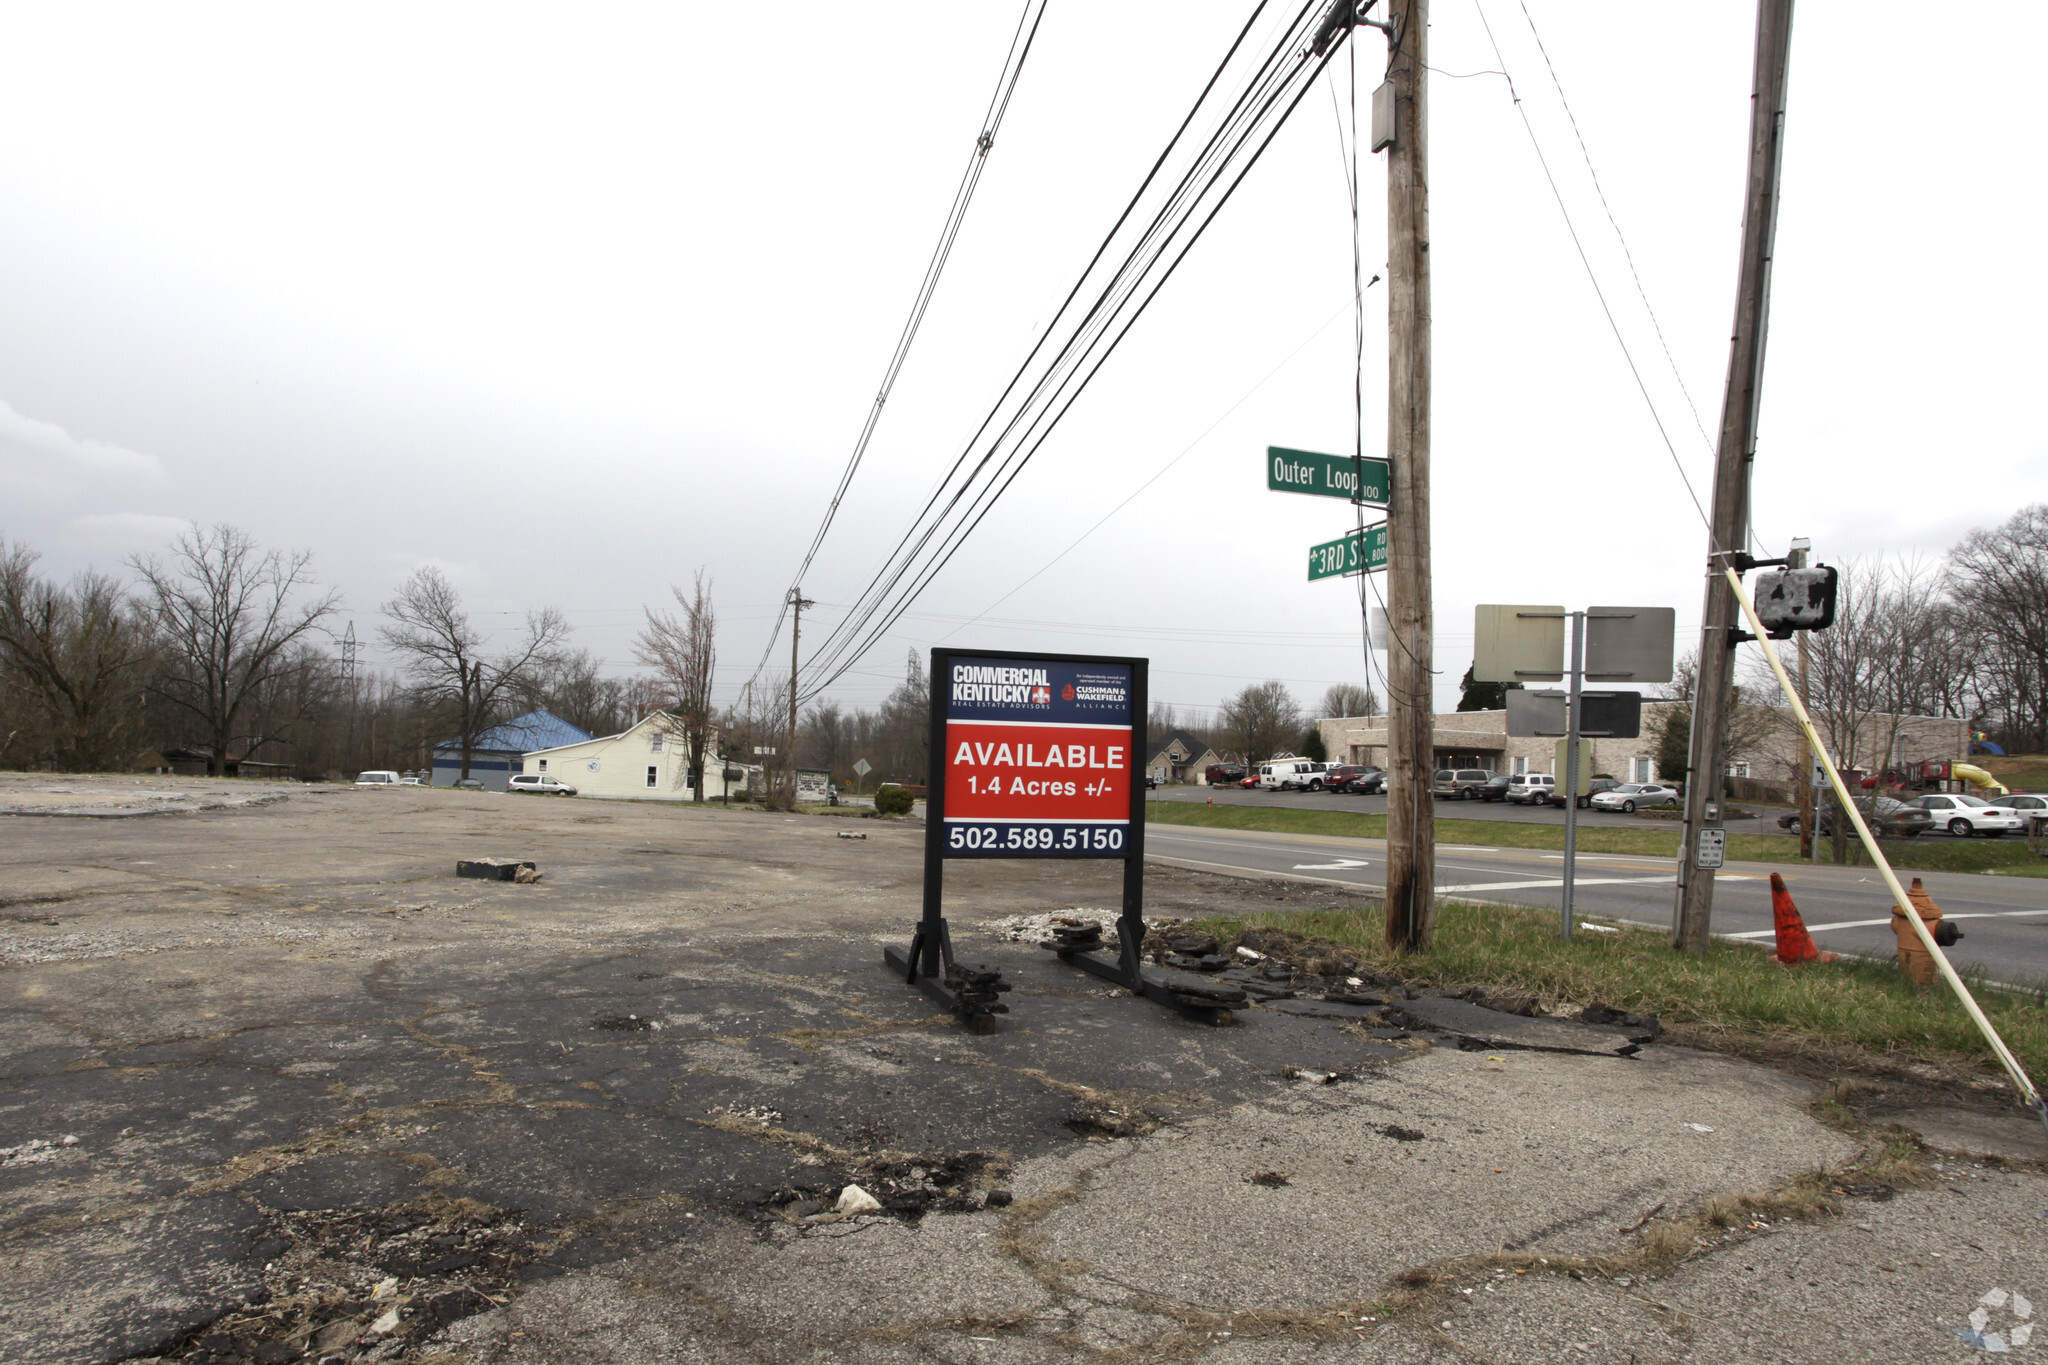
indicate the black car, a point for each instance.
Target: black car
{"x":1593,"y":789}
{"x":1363,"y":780}
{"x":1496,"y":788}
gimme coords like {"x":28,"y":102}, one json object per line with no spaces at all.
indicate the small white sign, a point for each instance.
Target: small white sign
{"x":1712,"y":849}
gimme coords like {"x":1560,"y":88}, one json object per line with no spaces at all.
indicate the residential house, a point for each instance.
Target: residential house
{"x":1179,"y":757}
{"x":648,"y":762}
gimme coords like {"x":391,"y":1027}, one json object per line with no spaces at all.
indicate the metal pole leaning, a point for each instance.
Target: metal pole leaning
{"x":1847,"y":805}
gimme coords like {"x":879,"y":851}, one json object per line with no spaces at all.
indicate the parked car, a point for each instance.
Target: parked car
{"x":1292,"y":774}
{"x":1593,"y":788}
{"x":540,"y":784}
{"x":1496,"y":788}
{"x":1888,"y":819}
{"x":410,"y":782}
{"x":1462,"y":784}
{"x":1150,"y":781}
{"x":469,"y":784}
{"x":1224,"y":774}
{"x":1367,"y":782}
{"x":1338,"y":776}
{"x":2027,"y":806}
{"x":1531,"y":789}
{"x":1250,"y":779}
{"x":378,"y":777}
{"x":1963,"y":815}
{"x":1630,"y":795}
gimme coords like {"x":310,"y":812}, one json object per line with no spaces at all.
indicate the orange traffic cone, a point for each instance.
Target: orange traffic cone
{"x":1795,"y":945}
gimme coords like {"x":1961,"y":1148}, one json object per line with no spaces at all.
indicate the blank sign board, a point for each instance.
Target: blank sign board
{"x":1629,"y":644}
{"x":1518,"y":644}
{"x":1602,"y":715}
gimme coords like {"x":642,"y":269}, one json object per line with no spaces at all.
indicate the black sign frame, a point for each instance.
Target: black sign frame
{"x":930,"y":957}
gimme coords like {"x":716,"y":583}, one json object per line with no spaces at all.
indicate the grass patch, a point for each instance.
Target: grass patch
{"x":2007,"y":857}
{"x":1728,"y":990}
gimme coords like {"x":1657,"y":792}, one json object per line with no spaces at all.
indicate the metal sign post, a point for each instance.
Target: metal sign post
{"x":1571,"y":771}
{"x":1517,"y":644}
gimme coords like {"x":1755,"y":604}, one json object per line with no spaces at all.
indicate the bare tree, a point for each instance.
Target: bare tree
{"x":1262,"y":718}
{"x":2000,"y":577}
{"x":445,"y":659}
{"x":572,"y":685}
{"x":684,"y":650}
{"x":228,"y":617}
{"x":1348,"y":699}
{"x":73,"y":663}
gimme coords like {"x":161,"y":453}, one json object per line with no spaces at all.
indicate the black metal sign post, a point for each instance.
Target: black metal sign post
{"x":1037,"y":756}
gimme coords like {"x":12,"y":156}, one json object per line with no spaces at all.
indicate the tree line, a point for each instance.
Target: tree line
{"x":217,"y":652}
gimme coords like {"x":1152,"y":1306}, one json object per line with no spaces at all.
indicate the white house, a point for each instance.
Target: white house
{"x":649,"y":762}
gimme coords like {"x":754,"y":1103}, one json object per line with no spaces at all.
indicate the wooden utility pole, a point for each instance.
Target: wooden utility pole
{"x":1411,"y":672}
{"x":1732,"y":460}
{"x":797,"y":603}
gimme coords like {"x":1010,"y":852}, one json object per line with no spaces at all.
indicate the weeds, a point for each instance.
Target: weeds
{"x":1731,"y":997}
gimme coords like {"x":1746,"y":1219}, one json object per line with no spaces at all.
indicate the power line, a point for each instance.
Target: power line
{"x":1254,"y":119}
{"x":884,"y":580}
{"x":1593,"y":278}
{"x":991,"y":123}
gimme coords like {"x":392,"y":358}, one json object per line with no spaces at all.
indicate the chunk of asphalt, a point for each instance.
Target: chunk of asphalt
{"x":1485,"y":1027}
{"x":492,"y":869}
{"x":1322,"y":1009}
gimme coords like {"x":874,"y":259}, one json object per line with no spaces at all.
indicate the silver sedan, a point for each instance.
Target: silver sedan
{"x":1629,"y":795}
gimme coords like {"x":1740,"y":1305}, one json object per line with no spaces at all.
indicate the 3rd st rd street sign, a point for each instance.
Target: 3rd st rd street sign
{"x":1359,"y":552}
{"x":1328,"y":476}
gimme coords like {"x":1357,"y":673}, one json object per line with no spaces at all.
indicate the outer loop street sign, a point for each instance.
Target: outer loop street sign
{"x":1356,"y":552}
{"x":1327,"y":476}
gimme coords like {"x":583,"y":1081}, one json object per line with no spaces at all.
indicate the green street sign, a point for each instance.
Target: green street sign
{"x":1358,"y":552}
{"x":1328,"y":476}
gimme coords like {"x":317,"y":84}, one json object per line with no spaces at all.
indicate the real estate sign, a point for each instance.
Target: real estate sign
{"x":1035,"y":756}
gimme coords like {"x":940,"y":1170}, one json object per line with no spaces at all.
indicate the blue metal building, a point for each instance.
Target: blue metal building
{"x":500,"y":749}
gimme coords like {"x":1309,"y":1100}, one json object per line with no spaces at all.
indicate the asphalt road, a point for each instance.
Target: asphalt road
{"x":1765,"y":821}
{"x":2004,"y":919}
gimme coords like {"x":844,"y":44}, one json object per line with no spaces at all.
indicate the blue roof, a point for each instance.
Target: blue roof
{"x":541,"y":729}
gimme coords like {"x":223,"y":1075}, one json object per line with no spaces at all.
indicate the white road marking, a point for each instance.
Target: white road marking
{"x":1559,"y":881}
{"x":1870,"y":923}
{"x":1331,"y":867}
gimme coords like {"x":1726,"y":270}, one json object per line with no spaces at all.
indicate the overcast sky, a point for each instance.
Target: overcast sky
{"x":573,"y":302}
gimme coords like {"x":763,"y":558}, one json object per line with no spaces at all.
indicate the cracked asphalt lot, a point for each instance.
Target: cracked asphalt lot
{"x":330,"y":1102}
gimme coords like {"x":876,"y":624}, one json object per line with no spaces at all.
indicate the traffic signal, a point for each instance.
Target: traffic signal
{"x":1796,"y":599}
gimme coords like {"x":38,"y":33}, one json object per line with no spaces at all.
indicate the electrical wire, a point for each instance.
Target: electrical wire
{"x":1594,"y":279}
{"x":1598,"y":189}
{"x":956,"y":215}
{"x":1253,"y":120}
{"x":1084,"y":332}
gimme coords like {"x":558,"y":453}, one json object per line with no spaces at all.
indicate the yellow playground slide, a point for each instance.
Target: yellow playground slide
{"x":1977,"y":777}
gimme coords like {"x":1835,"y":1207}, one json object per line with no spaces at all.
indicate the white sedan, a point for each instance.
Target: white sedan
{"x":1630,"y":795}
{"x":1963,"y":815}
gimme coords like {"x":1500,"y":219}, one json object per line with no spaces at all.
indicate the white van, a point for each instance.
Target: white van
{"x":1292,"y":774}
{"x":1530,"y":789}
{"x":379,"y":778}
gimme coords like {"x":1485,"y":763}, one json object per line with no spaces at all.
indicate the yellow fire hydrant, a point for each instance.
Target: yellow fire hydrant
{"x":1914,"y":958}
